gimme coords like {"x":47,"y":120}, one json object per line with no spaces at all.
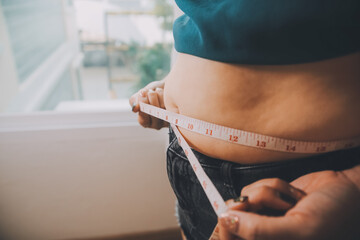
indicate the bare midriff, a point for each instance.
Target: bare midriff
{"x":317,"y":101}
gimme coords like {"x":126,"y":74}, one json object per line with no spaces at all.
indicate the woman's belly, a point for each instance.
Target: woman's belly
{"x":311,"y":102}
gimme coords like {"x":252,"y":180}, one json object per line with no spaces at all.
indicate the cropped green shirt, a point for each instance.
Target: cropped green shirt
{"x":268,"y":31}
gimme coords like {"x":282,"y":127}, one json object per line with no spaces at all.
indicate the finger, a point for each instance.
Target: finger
{"x":143,"y":118}
{"x":278,"y":184}
{"x":224,"y":234}
{"x":252,"y":226}
{"x":133,"y":102}
{"x":267,"y":197}
{"x":155,"y":84}
{"x":241,"y":203}
{"x":160,"y":93}
{"x":134,"y":99}
{"x":153,"y":100}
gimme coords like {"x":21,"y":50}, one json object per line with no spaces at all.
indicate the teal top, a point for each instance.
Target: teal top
{"x":268,"y":31}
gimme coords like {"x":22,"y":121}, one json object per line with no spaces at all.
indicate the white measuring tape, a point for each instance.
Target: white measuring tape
{"x":235,"y":136}
{"x":247,"y":138}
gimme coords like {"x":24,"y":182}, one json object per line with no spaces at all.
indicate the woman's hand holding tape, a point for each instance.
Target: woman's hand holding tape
{"x":267,"y":196}
{"x":329,"y":210}
{"x":152,"y":94}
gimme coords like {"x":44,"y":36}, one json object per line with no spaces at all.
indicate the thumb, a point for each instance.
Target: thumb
{"x":252,"y":226}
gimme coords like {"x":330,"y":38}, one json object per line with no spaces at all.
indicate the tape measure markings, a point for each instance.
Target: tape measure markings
{"x":247,"y":138}
{"x":213,"y":195}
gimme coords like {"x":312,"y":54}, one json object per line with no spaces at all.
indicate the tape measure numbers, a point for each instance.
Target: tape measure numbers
{"x":247,"y":138}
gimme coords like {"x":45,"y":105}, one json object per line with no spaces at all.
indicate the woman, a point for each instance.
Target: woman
{"x":284,"y":69}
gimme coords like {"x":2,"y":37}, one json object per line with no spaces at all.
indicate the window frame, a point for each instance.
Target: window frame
{"x":33,"y":91}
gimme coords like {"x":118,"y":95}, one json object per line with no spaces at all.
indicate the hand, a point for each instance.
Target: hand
{"x":152,"y":94}
{"x":330,"y":210}
{"x":270,"y":196}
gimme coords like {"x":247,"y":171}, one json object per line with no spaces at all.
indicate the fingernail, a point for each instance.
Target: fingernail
{"x":237,"y":201}
{"x":232,"y":204}
{"x":143,"y":93}
{"x":158,"y":89}
{"x":230,"y":221}
{"x":133,"y":106}
{"x":241,"y":199}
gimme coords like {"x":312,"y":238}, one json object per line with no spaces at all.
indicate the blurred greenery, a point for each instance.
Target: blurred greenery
{"x":164,"y":9}
{"x":150,"y":63}
{"x":153,"y":63}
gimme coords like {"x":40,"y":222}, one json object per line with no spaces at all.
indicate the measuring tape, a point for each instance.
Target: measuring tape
{"x":247,"y":138}
{"x":235,"y":136}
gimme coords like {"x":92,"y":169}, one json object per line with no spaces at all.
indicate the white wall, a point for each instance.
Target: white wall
{"x":81,"y":180}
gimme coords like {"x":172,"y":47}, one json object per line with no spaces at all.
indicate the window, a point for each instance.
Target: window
{"x":35,"y":29}
{"x":59,"y":52}
{"x":64,"y":164}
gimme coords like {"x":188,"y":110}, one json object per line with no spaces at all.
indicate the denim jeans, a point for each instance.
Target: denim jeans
{"x":196,"y":216}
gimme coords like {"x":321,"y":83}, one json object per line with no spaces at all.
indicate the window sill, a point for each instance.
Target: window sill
{"x":72,"y":115}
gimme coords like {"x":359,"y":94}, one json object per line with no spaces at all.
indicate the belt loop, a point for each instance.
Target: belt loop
{"x":226,"y":174}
